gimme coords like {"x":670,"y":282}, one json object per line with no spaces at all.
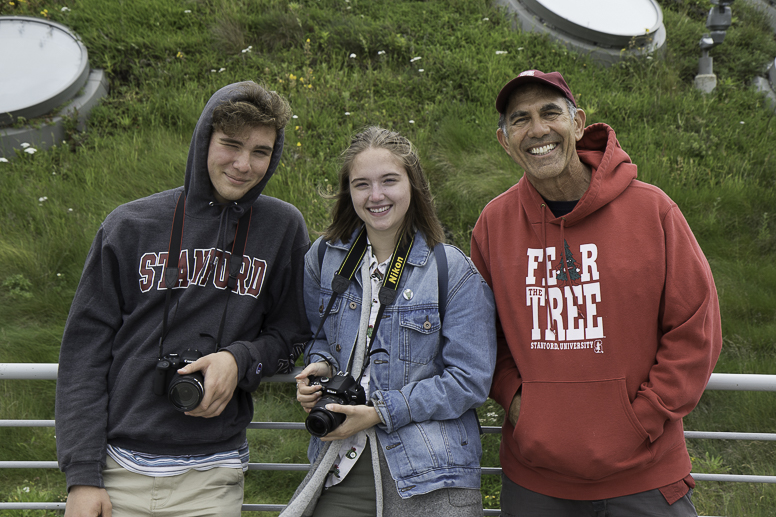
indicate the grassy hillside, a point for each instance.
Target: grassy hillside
{"x":431,"y":70}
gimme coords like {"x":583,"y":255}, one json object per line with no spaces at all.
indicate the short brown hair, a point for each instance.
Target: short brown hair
{"x":257,"y":107}
{"x":421,"y":214}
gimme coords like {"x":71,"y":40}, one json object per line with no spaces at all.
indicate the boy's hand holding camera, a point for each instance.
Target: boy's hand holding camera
{"x":220,"y":372}
{"x":357,"y":417}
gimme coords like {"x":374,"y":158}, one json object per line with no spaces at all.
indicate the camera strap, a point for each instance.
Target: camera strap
{"x":344,"y":274}
{"x":171,"y":270}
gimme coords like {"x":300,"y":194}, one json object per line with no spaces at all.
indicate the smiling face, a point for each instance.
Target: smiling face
{"x":239,"y":162}
{"x":541,"y":137}
{"x":381,"y":193}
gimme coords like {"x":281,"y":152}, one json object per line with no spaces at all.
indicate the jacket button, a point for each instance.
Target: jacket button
{"x":320,"y":309}
{"x":426,"y":325}
{"x":353,"y":305}
{"x":338,"y":348}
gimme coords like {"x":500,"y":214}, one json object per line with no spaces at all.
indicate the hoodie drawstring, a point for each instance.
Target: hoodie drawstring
{"x":563,"y":267}
{"x":223,"y":224}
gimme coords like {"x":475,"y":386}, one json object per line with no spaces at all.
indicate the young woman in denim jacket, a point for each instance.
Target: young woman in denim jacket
{"x":414,"y":447}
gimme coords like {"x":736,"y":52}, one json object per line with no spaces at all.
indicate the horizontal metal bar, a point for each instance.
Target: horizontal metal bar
{"x":301,"y":467}
{"x":28,"y":465}
{"x":718,"y":381}
{"x":741,"y":382}
{"x":299,"y":426}
{"x":26,"y":423}
{"x":737,"y":478}
{"x":48,"y":372}
{"x":32,"y":506}
{"x":707,"y":435}
{"x":275,"y":425}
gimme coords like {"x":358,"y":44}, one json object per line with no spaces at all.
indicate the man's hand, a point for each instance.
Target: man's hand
{"x":88,"y":501}
{"x":514,"y":409}
{"x":220,"y":372}
{"x":357,"y":418}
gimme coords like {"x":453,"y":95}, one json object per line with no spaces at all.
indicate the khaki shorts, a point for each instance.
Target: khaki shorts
{"x":207,"y":493}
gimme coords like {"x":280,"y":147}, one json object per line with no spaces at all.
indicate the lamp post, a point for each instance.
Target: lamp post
{"x":719,"y":19}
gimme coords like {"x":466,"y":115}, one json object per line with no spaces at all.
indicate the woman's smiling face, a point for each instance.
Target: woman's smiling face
{"x":381,"y":192}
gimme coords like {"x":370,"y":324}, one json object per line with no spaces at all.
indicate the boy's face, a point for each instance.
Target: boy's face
{"x":237,"y":163}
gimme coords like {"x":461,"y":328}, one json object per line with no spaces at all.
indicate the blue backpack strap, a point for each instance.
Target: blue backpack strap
{"x":442,"y":280}
{"x":321,"y":253}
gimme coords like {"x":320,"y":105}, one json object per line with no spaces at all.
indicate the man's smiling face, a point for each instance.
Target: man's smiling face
{"x":541,"y":136}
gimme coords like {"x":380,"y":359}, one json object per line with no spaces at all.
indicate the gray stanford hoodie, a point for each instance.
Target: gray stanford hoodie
{"x":111,"y":341}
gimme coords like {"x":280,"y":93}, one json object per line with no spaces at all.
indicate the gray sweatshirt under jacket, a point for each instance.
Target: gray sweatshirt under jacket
{"x":110,"y":345}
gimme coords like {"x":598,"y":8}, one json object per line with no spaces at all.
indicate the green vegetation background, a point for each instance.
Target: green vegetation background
{"x":431,"y":70}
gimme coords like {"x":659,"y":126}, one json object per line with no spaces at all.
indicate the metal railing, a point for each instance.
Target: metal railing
{"x":48,"y":371}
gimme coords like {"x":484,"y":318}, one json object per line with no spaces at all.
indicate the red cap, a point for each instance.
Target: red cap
{"x":553,"y":79}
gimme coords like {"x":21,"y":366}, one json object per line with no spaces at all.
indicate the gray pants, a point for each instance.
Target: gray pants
{"x":355,"y":496}
{"x":517,"y":501}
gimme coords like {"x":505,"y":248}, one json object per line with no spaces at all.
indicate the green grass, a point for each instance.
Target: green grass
{"x":715,"y":155}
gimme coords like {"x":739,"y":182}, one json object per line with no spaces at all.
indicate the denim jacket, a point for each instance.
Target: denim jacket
{"x":434,"y":375}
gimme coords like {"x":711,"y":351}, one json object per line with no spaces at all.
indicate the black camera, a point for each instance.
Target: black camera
{"x":340,"y":389}
{"x":184,"y":391}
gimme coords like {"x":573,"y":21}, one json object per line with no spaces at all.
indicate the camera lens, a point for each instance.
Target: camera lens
{"x":321,"y":421}
{"x":186,"y":391}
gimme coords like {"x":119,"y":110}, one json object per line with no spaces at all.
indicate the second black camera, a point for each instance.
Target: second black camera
{"x":185,"y":392}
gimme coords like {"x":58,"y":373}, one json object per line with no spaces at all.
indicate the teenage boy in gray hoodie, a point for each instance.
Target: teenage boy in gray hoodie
{"x":129,"y":439}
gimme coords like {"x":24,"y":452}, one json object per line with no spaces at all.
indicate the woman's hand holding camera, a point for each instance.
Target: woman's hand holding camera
{"x":357,"y":418}
{"x":220,"y":372}
{"x":308,"y":395}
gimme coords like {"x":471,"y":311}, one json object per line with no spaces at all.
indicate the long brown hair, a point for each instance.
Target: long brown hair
{"x":421,"y":214}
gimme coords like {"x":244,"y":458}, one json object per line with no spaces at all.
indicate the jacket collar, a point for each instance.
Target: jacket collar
{"x":418,"y":254}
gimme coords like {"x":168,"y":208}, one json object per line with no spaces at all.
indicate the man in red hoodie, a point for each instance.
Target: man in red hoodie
{"x":609,"y":323}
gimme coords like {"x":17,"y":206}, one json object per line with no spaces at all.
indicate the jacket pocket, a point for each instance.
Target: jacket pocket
{"x":419,"y":340}
{"x":437,"y":444}
{"x":586,"y":430}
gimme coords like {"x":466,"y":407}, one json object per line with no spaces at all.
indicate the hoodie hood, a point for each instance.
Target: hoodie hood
{"x":198,"y":188}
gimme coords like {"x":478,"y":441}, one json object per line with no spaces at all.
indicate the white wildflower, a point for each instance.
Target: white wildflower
{"x":415,"y":59}
{"x":347,"y":113}
{"x":65,"y":9}
{"x":187,"y":11}
{"x":42,"y":199}
{"x":519,"y":48}
{"x":213,"y":70}
{"x":352,"y":56}
{"x":3,"y":160}
{"x":742,"y":121}
{"x":69,"y":209}
{"x":380,"y":53}
{"x":26,"y":489}
{"x":24,"y":145}
{"x":221,"y":70}
{"x":485,"y":19}
{"x":500,"y":52}
{"x":412,"y":121}
{"x":30,"y":150}
{"x":421,"y":69}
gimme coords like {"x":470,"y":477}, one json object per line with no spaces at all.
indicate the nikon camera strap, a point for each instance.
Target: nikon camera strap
{"x":388,"y":290}
{"x":171,"y":269}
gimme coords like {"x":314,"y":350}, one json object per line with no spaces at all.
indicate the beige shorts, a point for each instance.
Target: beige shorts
{"x":217,"y":491}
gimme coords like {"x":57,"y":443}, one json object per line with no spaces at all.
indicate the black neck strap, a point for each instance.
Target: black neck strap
{"x":171,"y":270}
{"x":388,"y":289}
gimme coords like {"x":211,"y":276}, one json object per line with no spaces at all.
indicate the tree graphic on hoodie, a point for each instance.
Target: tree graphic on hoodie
{"x":568,"y":269}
